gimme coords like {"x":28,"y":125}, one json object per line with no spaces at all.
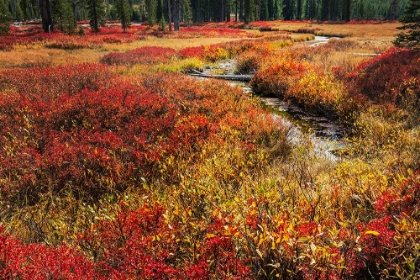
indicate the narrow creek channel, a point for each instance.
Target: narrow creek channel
{"x":326,"y":135}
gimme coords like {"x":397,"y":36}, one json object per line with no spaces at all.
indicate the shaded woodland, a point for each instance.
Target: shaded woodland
{"x":63,"y":14}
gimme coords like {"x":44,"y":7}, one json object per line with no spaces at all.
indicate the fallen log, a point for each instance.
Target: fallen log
{"x":242,"y":78}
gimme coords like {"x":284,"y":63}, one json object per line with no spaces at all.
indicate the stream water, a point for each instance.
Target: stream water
{"x":325,"y":134}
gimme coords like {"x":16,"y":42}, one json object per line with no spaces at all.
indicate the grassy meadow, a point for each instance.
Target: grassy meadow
{"x":115,"y":164}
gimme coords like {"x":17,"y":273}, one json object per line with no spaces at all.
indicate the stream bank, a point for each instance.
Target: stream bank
{"x":327,"y":136}
{"x":309,"y":122}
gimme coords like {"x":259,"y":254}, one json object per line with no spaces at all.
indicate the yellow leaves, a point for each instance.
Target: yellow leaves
{"x":313,"y":247}
{"x":156,"y":238}
{"x":210,"y":235}
{"x":273,"y":245}
{"x":372,"y":232}
{"x":176,"y":211}
{"x":261,"y":240}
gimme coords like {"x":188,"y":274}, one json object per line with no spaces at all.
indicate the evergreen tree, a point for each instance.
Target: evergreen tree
{"x":123,"y":13}
{"x":175,"y":14}
{"x":169,"y":14}
{"x":264,"y":10}
{"x":4,"y":19}
{"x":241,"y":10}
{"x":247,"y":11}
{"x":325,"y":9}
{"x":187,"y":12}
{"x":46,"y":16}
{"x":346,"y":10}
{"x":151,"y":9}
{"x":278,"y":9}
{"x":159,"y":10}
{"x":63,"y":15}
{"x":96,"y":12}
{"x":334,"y":10}
{"x":288,"y":9}
{"x":69,"y":21}
{"x":310,"y":9}
{"x":360,"y":10}
{"x":19,"y":12}
{"x":393,"y":9}
{"x":411,"y":23}
{"x":228,"y":5}
{"x":299,"y":9}
{"x":25,"y":5}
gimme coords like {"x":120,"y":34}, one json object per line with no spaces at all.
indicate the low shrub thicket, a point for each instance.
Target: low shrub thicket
{"x":144,"y":55}
{"x":63,"y":138}
{"x":48,"y":83}
{"x":163,"y":176}
{"x":32,"y":35}
{"x":260,"y":239}
{"x":389,"y":78}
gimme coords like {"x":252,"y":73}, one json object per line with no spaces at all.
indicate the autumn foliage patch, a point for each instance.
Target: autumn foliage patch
{"x":389,"y":78}
{"x":121,"y":174}
{"x":144,"y":55}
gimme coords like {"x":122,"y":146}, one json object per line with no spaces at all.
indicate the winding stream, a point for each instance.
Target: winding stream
{"x":326,"y":135}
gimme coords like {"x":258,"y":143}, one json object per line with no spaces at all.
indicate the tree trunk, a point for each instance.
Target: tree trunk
{"x":241,"y":10}
{"x":223,"y":11}
{"x":45,"y":9}
{"x":299,"y":10}
{"x":247,"y":11}
{"x":169,"y":15}
{"x":236,"y":10}
{"x":175,"y":14}
{"x":325,"y":6}
{"x":346,"y":10}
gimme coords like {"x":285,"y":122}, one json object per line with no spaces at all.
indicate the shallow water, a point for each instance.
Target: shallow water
{"x":326,"y":135}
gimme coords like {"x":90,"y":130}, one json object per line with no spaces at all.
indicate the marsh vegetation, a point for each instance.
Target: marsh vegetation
{"x":114,"y":164}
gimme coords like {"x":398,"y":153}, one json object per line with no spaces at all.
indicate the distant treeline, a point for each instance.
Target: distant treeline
{"x":62,"y":12}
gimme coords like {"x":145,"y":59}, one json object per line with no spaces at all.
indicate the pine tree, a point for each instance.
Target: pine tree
{"x":169,"y":15}
{"x":278,"y":9}
{"x":19,"y":12}
{"x":46,"y":16}
{"x":151,"y":12}
{"x":4,"y":19}
{"x":63,"y":15}
{"x":299,"y":9}
{"x":247,"y":11}
{"x":175,"y":14}
{"x":346,"y":10}
{"x":25,"y":5}
{"x":123,"y":13}
{"x":393,"y":9}
{"x":159,"y":10}
{"x":411,"y":23}
{"x":288,"y":9}
{"x":325,"y":9}
{"x":188,"y":14}
{"x":96,"y":11}
{"x":310,"y":9}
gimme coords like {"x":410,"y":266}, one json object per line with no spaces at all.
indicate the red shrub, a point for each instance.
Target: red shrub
{"x":402,"y":200}
{"x":388,"y":77}
{"x":90,"y":141}
{"x":19,"y":261}
{"x":141,"y":244}
{"x":276,"y":80}
{"x":143,"y":55}
{"x":45,"y":84}
{"x":199,"y":52}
